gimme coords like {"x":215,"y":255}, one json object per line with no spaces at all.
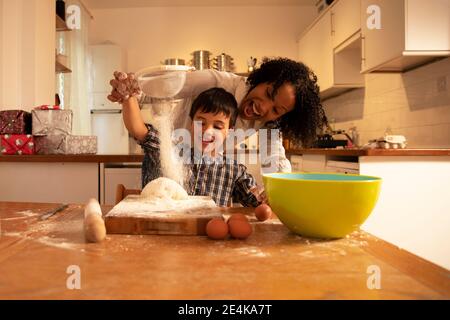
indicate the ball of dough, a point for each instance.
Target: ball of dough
{"x":164,"y":188}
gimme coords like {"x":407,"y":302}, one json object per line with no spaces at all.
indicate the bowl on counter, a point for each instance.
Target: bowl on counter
{"x":322,"y":205}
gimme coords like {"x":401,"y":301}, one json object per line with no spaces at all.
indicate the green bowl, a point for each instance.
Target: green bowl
{"x":322,"y":205}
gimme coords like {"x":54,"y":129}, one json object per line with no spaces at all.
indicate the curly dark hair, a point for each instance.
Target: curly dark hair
{"x":301,"y":124}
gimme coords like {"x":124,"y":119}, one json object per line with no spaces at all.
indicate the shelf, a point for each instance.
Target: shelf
{"x":60,"y":68}
{"x":61,"y":24}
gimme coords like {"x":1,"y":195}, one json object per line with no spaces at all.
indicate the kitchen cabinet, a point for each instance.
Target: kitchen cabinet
{"x":296,"y":163}
{"x":48,"y":182}
{"x":67,"y":178}
{"x":314,"y":163}
{"x":331,"y":47}
{"x":410,"y":33}
{"x":345,"y":20}
{"x":315,"y":50}
{"x":114,"y":174}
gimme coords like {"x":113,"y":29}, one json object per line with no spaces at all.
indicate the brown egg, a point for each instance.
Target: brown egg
{"x":238,"y":216}
{"x":263,"y":212}
{"x":217,"y":229}
{"x":240,"y":229}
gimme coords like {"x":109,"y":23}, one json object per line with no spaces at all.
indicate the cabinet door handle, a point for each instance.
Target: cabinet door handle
{"x":332,"y":23}
{"x":363,"y":53}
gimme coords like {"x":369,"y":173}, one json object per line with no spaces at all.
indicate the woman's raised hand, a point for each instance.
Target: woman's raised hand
{"x":124,"y":86}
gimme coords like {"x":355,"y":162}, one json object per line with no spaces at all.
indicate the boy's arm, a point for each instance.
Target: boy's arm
{"x":243,"y":190}
{"x":133,"y":119}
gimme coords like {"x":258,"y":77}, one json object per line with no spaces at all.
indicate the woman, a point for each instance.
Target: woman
{"x":281,"y":94}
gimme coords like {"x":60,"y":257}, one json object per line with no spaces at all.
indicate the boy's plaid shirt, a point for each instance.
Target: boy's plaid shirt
{"x":222,"y":179}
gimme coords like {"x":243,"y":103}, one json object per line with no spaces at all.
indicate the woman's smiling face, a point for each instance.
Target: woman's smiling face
{"x":261,"y":104}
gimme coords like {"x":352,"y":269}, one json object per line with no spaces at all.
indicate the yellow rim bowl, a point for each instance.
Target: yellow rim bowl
{"x":322,"y":205}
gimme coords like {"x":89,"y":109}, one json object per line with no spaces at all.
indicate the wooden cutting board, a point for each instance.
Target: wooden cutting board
{"x":133,"y":215}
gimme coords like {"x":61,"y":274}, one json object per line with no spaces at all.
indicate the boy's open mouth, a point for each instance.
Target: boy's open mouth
{"x":251,"y":110}
{"x":208,"y":140}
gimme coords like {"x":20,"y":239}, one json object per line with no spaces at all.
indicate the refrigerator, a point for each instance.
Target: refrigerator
{"x":108,"y":126}
{"x":106,"y":116}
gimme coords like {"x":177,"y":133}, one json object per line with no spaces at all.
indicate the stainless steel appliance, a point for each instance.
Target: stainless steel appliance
{"x":223,"y":62}
{"x":174,"y":62}
{"x":201,"y":59}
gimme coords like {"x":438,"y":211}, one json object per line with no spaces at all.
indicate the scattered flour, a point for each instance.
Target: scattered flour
{"x":137,"y":206}
{"x":27,"y":213}
{"x":252,"y":251}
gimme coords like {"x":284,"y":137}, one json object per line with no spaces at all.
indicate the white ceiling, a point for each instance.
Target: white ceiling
{"x":108,"y":4}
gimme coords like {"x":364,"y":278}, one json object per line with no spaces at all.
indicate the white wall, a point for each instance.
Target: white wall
{"x":150,"y":35}
{"x":408,"y":103}
{"x":27,"y":58}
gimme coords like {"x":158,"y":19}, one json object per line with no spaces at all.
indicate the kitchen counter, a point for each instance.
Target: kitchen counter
{"x":272,"y":264}
{"x":86,"y":158}
{"x":94,"y":158}
{"x":371,"y":152}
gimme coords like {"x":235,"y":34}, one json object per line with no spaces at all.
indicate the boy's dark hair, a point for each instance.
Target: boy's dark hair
{"x":308,"y":116}
{"x":216,"y":100}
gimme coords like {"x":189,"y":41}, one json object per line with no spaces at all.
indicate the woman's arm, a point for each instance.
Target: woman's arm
{"x":133,"y":119}
{"x":271,"y":151}
{"x":201,"y":80}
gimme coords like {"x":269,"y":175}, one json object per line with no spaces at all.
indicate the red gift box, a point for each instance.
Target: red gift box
{"x":16,"y":144}
{"x":48,"y":107}
{"x":15,"y":122}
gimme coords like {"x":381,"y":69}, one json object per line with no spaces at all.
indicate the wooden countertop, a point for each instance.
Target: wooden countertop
{"x":272,"y":264}
{"x":104,"y":158}
{"x":371,"y":152}
{"x":96,"y":158}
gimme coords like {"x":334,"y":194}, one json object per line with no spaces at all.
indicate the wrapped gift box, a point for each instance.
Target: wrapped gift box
{"x":51,"y":122}
{"x":16,"y":144}
{"x":15,"y":122}
{"x":62,"y":144}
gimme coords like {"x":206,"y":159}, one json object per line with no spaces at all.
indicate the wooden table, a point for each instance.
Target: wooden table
{"x":272,"y":264}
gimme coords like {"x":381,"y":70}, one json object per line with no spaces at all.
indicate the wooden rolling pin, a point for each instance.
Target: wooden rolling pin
{"x":94,"y":226}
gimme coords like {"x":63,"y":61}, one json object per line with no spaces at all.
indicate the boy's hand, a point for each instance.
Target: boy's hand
{"x":124,"y":86}
{"x":259,"y":193}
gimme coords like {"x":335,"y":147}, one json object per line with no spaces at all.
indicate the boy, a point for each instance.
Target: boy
{"x":209,"y":172}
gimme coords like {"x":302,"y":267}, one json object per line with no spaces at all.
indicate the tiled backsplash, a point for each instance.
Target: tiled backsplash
{"x":415,"y":104}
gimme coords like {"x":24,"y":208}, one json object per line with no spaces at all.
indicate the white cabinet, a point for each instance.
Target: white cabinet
{"x":410,"y":33}
{"x":331,"y":47}
{"x":314,"y":163}
{"x":53,"y":182}
{"x":345,"y":20}
{"x":315,"y":50}
{"x":412,"y":209}
{"x":296,"y":163}
{"x":128,"y":175}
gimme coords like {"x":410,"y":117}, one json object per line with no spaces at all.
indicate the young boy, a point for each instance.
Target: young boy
{"x":209,"y":172}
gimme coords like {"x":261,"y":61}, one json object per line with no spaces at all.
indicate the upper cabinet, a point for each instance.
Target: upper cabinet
{"x":345,"y":20}
{"x":331,"y":47}
{"x":353,"y":37}
{"x":401,"y":34}
{"x":315,"y":50}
